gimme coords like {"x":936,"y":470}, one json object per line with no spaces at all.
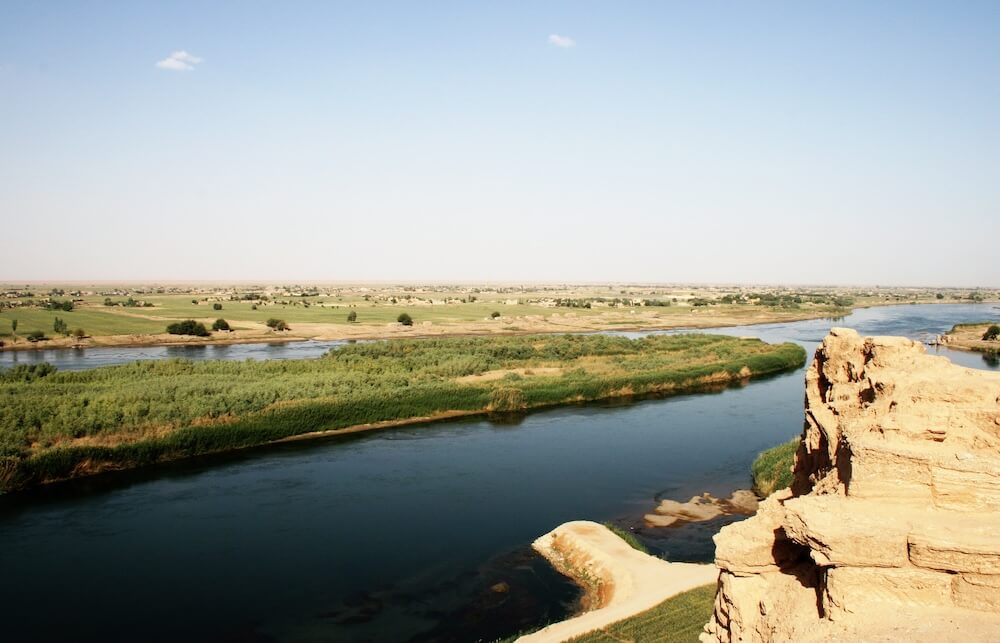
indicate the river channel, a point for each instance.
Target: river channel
{"x":417,"y":533}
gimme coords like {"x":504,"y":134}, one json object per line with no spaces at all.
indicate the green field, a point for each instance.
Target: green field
{"x":679,"y":619}
{"x":462,"y":309}
{"x":60,"y":425}
{"x":93,"y":321}
{"x":377,"y":306}
{"x":97,"y":319}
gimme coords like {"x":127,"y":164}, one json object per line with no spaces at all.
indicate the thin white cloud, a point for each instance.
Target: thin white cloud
{"x":561,"y":41}
{"x":179,"y":61}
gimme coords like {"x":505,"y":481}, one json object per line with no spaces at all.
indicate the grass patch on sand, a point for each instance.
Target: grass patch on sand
{"x":58,"y":425}
{"x":679,"y":619}
{"x":627,"y":536}
{"x":772,"y":469}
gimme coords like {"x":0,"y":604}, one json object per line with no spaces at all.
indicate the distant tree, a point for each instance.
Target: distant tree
{"x":253,"y":307}
{"x":36,"y":336}
{"x":494,"y":314}
{"x":79,"y":334}
{"x":59,"y":326}
{"x":13,"y":326}
{"x":60,"y":305}
{"x":277,"y":324}
{"x":352,"y":316}
{"x":108,"y":302}
{"x":188,"y":327}
{"x":991,"y":333}
{"x":194,"y":301}
{"x":405,"y":319}
{"x":216,"y":306}
{"x":939,"y":296}
{"x":221,"y":324}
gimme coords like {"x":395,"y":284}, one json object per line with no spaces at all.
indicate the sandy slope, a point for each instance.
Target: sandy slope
{"x":618,"y":580}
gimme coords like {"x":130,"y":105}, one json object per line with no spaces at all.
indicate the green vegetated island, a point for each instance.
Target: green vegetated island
{"x":60,"y":425}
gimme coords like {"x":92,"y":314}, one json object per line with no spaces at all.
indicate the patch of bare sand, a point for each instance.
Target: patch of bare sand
{"x":498,"y":374}
{"x":671,"y":513}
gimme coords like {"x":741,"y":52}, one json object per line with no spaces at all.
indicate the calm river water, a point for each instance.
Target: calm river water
{"x":418,"y":533}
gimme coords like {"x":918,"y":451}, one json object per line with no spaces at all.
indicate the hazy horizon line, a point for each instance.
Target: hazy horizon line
{"x":474,"y":282}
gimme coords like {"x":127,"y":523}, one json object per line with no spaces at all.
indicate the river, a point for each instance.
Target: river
{"x":417,"y":533}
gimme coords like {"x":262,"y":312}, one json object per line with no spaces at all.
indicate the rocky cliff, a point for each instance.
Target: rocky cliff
{"x":891,"y":530}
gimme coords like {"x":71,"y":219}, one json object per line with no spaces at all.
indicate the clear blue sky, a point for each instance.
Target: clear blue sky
{"x":798,"y":142}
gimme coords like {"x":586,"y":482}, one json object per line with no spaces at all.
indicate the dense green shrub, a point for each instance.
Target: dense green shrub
{"x":352,"y":316}
{"x":66,"y":306}
{"x":221,"y":324}
{"x":216,"y":306}
{"x":991,"y":333}
{"x":405,"y":319}
{"x":277,"y":324}
{"x":27,"y":372}
{"x":36,"y":336}
{"x":188,"y":327}
{"x":772,"y":469}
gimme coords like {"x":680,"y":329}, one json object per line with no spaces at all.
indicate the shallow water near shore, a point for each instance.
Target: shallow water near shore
{"x":415,"y":533}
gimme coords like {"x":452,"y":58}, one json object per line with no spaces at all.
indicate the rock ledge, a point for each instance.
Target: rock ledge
{"x":891,"y":530}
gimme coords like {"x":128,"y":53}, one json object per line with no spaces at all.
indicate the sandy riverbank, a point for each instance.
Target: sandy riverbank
{"x":969,"y":337}
{"x":618,"y":580}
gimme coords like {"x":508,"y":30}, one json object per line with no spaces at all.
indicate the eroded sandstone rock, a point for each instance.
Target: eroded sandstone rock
{"x":894,"y":511}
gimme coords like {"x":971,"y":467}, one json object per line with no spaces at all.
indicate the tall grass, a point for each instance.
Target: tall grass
{"x":772,"y":469}
{"x":57,"y":425}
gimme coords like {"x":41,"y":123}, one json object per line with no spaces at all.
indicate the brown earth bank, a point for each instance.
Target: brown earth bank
{"x":891,"y":530}
{"x":254,"y":336}
{"x":969,"y":337}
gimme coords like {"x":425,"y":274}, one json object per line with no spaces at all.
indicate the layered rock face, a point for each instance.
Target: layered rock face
{"x":892,"y":527}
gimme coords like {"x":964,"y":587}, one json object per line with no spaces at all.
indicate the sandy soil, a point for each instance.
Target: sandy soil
{"x":619,"y":581}
{"x":670,"y":513}
{"x":499,"y":374}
